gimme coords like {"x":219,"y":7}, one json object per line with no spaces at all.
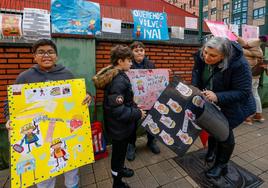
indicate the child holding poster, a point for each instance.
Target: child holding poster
{"x":140,"y":62}
{"x":45,"y":55}
{"x":120,"y":111}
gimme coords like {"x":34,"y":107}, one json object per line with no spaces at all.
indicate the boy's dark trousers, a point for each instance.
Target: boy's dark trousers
{"x":119,"y":149}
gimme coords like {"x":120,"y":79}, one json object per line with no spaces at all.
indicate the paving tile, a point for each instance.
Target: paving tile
{"x":87,"y":179}
{"x":105,"y":184}
{"x":183,"y":183}
{"x":253,"y":169}
{"x":146,"y":178}
{"x":159,"y":174}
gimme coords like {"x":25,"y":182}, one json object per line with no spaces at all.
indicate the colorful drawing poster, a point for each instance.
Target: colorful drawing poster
{"x":150,"y":25}
{"x":10,"y":25}
{"x":219,"y":29}
{"x":147,"y":85}
{"x":111,"y":25}
{"x":250,"y":32}
{"x":75,"y":17}
{"x":36,"y":24}
{"x":51,"y":130}
{"x":171,"y":119}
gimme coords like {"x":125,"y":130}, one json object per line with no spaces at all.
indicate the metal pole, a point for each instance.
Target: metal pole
{"x":265,"y":30}
{"x":200,"y":29}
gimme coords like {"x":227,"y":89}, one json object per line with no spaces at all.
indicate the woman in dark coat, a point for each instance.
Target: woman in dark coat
{"x":222,"y":72}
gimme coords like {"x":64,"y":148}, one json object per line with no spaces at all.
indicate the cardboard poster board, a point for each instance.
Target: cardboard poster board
{"x":51,"y":130}
{"x":150,"y":25}
{"x":171,"y":119}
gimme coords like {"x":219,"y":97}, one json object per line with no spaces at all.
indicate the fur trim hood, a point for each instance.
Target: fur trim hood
{"x":105,"y":76}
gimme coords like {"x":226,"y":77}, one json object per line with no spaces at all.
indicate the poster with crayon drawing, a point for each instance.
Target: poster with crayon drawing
{"x":147,"y":85}
{"x":51,"y":130}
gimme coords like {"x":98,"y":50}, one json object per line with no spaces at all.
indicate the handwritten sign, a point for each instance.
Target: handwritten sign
{"x":250,"y":32}
{"x":150,"y":25}
{"x":147,"y":85}
{"x":219,"y":29}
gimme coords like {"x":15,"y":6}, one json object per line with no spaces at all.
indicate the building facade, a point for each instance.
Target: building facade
{"x":251,"y":12}
{"x":191,"y":6}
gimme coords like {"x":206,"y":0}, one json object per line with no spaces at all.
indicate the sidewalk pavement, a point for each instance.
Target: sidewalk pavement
{"x":151,"y":171}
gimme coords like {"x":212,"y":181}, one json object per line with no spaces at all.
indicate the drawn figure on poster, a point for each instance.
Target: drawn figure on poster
{"x":42,"y":92}
{"x":140,"y":86}
{"x":58,"y":151}
{"x":75,"y":123}
{"x":185,"y":138}
{"x":25,"y":163}
{"x":161,"y":108}
{"x":167,"y":139}
{"x":138,"y":32}
{"x":92,"y":25}
{"x":30,"y":136}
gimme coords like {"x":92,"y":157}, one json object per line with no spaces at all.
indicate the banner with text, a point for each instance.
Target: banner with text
{"x":150,"y":25}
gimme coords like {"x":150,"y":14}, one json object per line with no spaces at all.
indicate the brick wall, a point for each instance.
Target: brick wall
{"x":177,"y":58}
{"x":13,"y":60}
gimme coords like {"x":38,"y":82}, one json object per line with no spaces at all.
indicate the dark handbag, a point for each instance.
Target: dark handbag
{"x":257,"y":70}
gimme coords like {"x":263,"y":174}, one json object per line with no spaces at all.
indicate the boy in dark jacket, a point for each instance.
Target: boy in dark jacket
{"x":139,"y":61}
{"x":46,"y":55}
{"x":120,"y":111}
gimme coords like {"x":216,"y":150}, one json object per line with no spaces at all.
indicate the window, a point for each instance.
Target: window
{"x":184,"y":6}
{"x":194,"y":3}
{"x":205,"y":15}
{"x":244,"y":18}
{"x":244,"y":5}
{"x":236,"y":6}
{"x":205,"y":2}
{"x":190,"y":4}
{"x":226,"y":6}
{"x":258,"y":13}
{"x":225,"y":20}
{"x":213,"y":11}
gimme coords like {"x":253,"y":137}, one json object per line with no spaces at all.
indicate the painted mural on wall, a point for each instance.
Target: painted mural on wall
{"x":51,"y":130}
{"x":147,"y":85}
{"x":75,"y":17}
{"x":150,"y":25}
